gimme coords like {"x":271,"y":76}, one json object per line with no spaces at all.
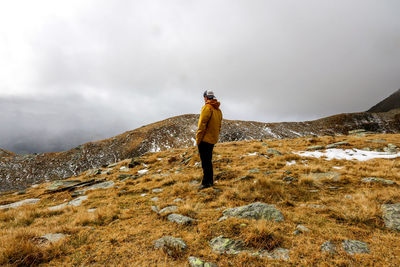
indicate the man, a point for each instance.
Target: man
{"x":207,"y":135}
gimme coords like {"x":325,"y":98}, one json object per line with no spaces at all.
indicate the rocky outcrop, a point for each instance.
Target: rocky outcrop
{"x":255,"y":211}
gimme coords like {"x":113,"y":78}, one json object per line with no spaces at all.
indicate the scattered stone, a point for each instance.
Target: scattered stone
{"x":143,"y":195}
{"x":244,"y":178}
{"x":53,"y":238}
{"x":315,"y":148}
{"x":302,"y":228}
{"x":75,"y":202}
{"x":155,"y":199}
{"x":275,"y":152}
{"x":170,"y":245}
{"x":277,"y":254}
{"x":357,"y":131}
{"x":91,"y":210}
{"x":335,"y":145}
{"x":178,"y":200}
{"x":196,"y":262}
{"x":168,"y":209}
{"x":179,"y":219}
{"x":377,"y":180}
{"x":104,"y":185}
{"x":254,"y":170}
{"x":20,"y":203}
{"x":112,"y":165}
{"x":109,"y":171}
{"x":157,"y":190}
{"x":59,"y":183}
{"x":289,"y":179}
{"x":124,"y":176}
{"x":269,"y":172}
{"x":329,"y":247}
{"x":222,"y":245}
{"x":255,"y":211}
{"x":194,"y":182}
{"x":143,"y":171}
{"x":156,"y":209}
{"x":348,"y":196}
{"x":355,"y":247}
{"x":22,"y":192}
{"x":391,"y":216}
{"x":390,"y":149}
{"x":93,"y":172}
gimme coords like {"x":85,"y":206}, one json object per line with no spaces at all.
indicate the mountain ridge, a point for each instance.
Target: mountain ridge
{"x":20,"y":171}
{"x":389,"y":103}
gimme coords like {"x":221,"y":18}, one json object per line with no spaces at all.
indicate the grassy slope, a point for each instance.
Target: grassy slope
{"x":122,"y":229}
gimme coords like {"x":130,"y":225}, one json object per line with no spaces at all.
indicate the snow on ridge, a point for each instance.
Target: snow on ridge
{"x":348,"y":154}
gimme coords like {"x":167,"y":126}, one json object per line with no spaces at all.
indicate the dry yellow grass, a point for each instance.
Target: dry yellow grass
{"x":122,"y":229}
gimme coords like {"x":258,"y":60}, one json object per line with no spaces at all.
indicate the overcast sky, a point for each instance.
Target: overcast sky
{"x":79,"y":70}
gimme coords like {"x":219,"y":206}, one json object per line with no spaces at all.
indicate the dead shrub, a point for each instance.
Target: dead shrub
{"x":262,"y":234}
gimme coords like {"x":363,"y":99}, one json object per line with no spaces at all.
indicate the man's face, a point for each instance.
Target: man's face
{"x":205,"y":99}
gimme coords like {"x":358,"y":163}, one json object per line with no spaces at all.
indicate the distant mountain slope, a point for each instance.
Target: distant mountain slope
{"x":392,"y":102}
{"x":5,"y":153}
{"x":20,"y":171}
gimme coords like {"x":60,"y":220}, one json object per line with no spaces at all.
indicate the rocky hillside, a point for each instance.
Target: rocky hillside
{"x":19,"y":171}
{"x":274,"y":203}
{"x":390,"y":103}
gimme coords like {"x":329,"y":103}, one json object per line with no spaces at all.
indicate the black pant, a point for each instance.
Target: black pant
{"x":205,"y":150}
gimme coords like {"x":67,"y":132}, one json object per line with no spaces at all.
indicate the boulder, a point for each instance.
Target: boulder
{"x":196,"y":262}
{"x":329,"y":247}
{"x":275,"y":152}
{"x":179,"y":219}
{"x":377,"y":180}
{"x":75,"y":202}
{"x":355,"y":247}
{"x":391,"y":216}
{"x":104,"y":185}
{"x":170,"y":245}
{"x":255,"y":211}
{"x":222,"y":245}
{"x":168,"y":209}
{"x":20,"y":203}
{"x":157,"y":190}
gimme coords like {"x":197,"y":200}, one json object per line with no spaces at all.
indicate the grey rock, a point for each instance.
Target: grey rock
{"x":52,"y":238}
{"x":377,"y":180}
{"x":274,"y":152}
{"x":178,"y":200}
{"x":329,"y":247}
{"x":112,"y":165}
{"x":171,"y":245}
{"x":391,"y":216}
{"x":124,"y":176}
{"x":91,"y":210}
{"x":334,"y":145}
{"x":391,"y":146}
{"x":179,"y":219}
{"x":289,"y":179}
{"x":196,"y":262}
{"x":348,"y":196}
{"x":75,"y":202}
{"x":93,"y":172}
{"x":312,"y":148}
{"x":355,"y":247}
{"x":222,"y":245}
{"x":20,"y":203}
{"x":277,"y":254}
{"x":168,"y":209}
{"x":255,"y":211}
{"x":155,"y":199}
{"x":357,"y":131}
{"x":104,"y":185}
{"x":302,"y":228}
{"x":157,"y":190}
{"x":59,"y":183}
{"x":155,"y":209}
{"x":254,"y":170}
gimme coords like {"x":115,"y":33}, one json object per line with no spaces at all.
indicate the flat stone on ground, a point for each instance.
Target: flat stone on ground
{"x":222,"y":245}
{"x":329,"y":247}
{"x":391,"y":216}
{"x":104,"y":185}
{"x":168,"y":209}
{"x":75,"y":202}
{"x":20,"y":203}
{"x":179,"y":219}
{"x":255,"y":211}
{"x":377,"y":180}
{"x":196,"y":262}
{"x":171,"y":245}
{"x":355,"y":247}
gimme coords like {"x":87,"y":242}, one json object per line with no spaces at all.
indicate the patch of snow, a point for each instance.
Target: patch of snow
{"x":348,"y":154}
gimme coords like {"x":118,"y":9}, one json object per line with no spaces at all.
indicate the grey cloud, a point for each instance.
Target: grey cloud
{"x":124,"y":64}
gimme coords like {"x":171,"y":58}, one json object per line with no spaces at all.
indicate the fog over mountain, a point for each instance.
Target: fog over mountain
{"x":77,"y":71}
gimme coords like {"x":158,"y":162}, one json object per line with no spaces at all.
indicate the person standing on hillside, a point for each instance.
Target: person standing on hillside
{"x":207,"y":135}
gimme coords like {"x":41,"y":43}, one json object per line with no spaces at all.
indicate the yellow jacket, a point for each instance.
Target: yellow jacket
{"x":209,"y":122}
